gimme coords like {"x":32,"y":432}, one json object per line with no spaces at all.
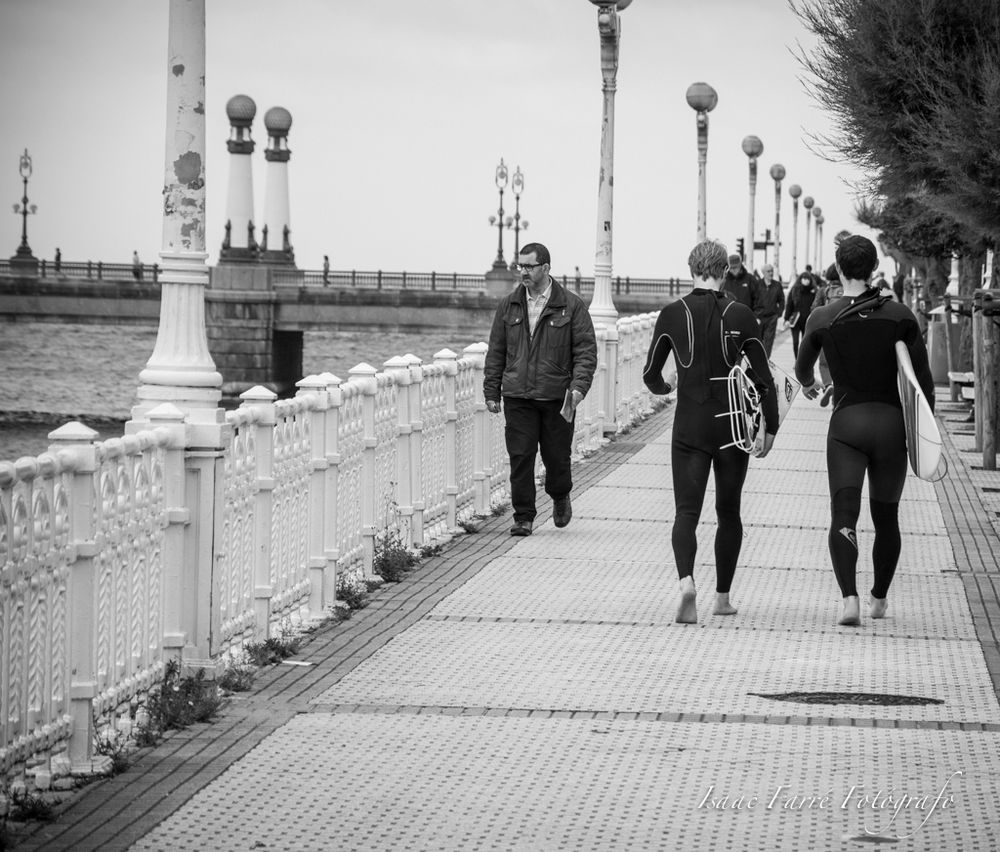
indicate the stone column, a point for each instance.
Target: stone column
{"x":240,"y":245}
{"x":277,"y":247}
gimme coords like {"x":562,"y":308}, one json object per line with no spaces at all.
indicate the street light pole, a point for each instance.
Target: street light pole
{"x":24,"y":260}
{"x":702,"y":98}
{"x":517,"y":185}
{"x":602,"y":308}
{"x":817,"y":217}
{"x":753,"y":148}
{"x":500,"y":178}
{"x":777,"y":172}
{"x":807,"y":202}
{"x":795,"y":191}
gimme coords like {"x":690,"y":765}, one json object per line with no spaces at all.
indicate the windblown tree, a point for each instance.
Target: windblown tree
{"x":913,"y":87}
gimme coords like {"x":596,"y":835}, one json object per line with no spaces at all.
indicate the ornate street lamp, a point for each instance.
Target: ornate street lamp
{"x":24,"y":260}
{"x":602,"y":309}
{"x":817,"y":216}
{"x":818,"y":219}
{"x":702,"y":98}
{"x":517,"y":185}
{"x":795,"y":191}
{"x":500,"y":178}
{"x":777,"y":173}
{"x":753,"y":148}
{"x":808,"y":203}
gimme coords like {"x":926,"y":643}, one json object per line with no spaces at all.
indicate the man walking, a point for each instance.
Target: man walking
{"x":541,"y":361}
{"x":772,"y":306}
{"x":743,"y":285}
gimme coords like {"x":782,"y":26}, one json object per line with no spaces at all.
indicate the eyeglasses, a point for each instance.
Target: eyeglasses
{"x":528,"y":267}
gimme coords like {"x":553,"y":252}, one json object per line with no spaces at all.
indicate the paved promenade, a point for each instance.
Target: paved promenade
{"x":536,"y":694}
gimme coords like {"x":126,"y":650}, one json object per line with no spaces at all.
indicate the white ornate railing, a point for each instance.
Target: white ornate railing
{"x":119,"y":555}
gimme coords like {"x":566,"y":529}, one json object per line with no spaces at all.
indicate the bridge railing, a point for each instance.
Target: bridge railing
{"x":118,"y":556}
{"x":92,"y":270}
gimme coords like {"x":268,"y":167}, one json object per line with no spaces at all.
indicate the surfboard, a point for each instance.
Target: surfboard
{"x":786,"y":388}
{"x":923,"y":440}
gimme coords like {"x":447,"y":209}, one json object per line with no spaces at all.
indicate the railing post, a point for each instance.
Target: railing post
{"x":364,"y":374}
{"x":611,"y":380}
{"x":318,"y":509}
{"x":481,"y":466}
{"x":416,"y":395}
{"x":450,"y":361}
{"x":262,"y":401}
{"x":331,"y":485}
{"x":977,"y":367}
{"x":599,"y":388}
{"x":73,"y":445}
{"x":399,"y":368}
{"x":168,"y":416}
{"x":89,"y":268}
{"x":986,"y":393}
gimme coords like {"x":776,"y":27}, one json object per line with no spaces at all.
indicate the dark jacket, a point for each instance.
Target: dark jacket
{"x":773,"y":302}
{"x":561,"y":354}
{"x":800,"y":300}
{"x":745,"y":287}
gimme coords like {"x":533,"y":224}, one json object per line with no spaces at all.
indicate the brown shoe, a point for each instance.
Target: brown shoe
{"x":521,"y":528}
{"x":562,"y":511}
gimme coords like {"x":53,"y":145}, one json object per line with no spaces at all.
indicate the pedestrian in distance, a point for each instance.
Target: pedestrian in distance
{"x":708,"y":332}
{"x":772,"y":306}
{"x":858,"y":332}
{"x":136,"y":266}
{"x":326,"y":270}
{"x":540,"y":362}
{"x":58,"y":260}
{"x":799,"y":304}
{"x":744,"y":286}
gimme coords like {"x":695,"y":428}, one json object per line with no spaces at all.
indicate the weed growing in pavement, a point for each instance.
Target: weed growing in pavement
{"x":392,"y":560}
{"x":469,"y":526}
{"x":429,"y":550}
{"x":274,"y":649}
{"x":176,"y":703}
{"x":238,"y":676}
{"x":353,"y":590}
{"x":26,"y":806}
{"x":500,"y":509}
{"x":113,"y":744}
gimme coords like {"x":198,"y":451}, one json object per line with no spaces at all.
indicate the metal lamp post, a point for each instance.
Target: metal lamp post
{"x":702,"y":98}
{"x":500,"y":178}
{"x":777,"y":173}
{"x":753,"y":148}
{"x":808,"y":203}
{"x":602,"y":308}
{"x":517,"y":185}
{"x":24,"y":260}
{"x":817,"y":214}
{"x":795,"y":191}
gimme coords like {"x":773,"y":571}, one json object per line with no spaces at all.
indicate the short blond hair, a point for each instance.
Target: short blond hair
{"x":708,"y":259}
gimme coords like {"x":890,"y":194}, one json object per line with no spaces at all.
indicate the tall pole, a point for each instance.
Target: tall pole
{"x":807,"y":202}
{"x":702,"y":98}
{"x":500,"y":178}
{"x":602,"y":308}
{"x":777,"y":173}
{"x":753,"y":148}
{"x":795,"y":191}
{"x":817,"y":216}
{"x":181,"y":370}
{"x":517,"y":184}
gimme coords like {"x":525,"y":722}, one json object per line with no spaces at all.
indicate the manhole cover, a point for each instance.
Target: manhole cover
{"x":871,"y":698}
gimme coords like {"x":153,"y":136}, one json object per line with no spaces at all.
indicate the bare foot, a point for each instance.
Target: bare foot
{"x":851,"y":616}
{"x":687,"y":607}
{"x":878,"y":606}
{"x":722,"y":605}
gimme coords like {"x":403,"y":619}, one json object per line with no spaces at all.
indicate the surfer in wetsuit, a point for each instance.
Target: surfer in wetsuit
{"x":857,"y":333}
{"x":708,"y":331}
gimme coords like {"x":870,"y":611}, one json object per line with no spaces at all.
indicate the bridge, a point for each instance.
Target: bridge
{"x":256,"y":314}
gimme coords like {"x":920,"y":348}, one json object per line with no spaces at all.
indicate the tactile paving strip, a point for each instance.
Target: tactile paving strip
{"x":441,"y":783}
{"x":917,"y":517}
{"x":675,"y":669}
{"x":768,"y":599}
{"x":771,"y":547}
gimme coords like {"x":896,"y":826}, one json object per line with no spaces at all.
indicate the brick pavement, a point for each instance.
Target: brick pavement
{"x":535,"y":694}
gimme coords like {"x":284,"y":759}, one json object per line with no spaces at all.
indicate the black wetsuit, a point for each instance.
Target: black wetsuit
{"x":857,"y":335}
{"x":707,"y":331}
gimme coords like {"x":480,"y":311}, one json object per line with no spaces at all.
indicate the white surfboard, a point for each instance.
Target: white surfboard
{"x":923,"y":440}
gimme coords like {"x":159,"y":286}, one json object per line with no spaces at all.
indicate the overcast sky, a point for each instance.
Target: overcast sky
{"x":401,"y":111}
